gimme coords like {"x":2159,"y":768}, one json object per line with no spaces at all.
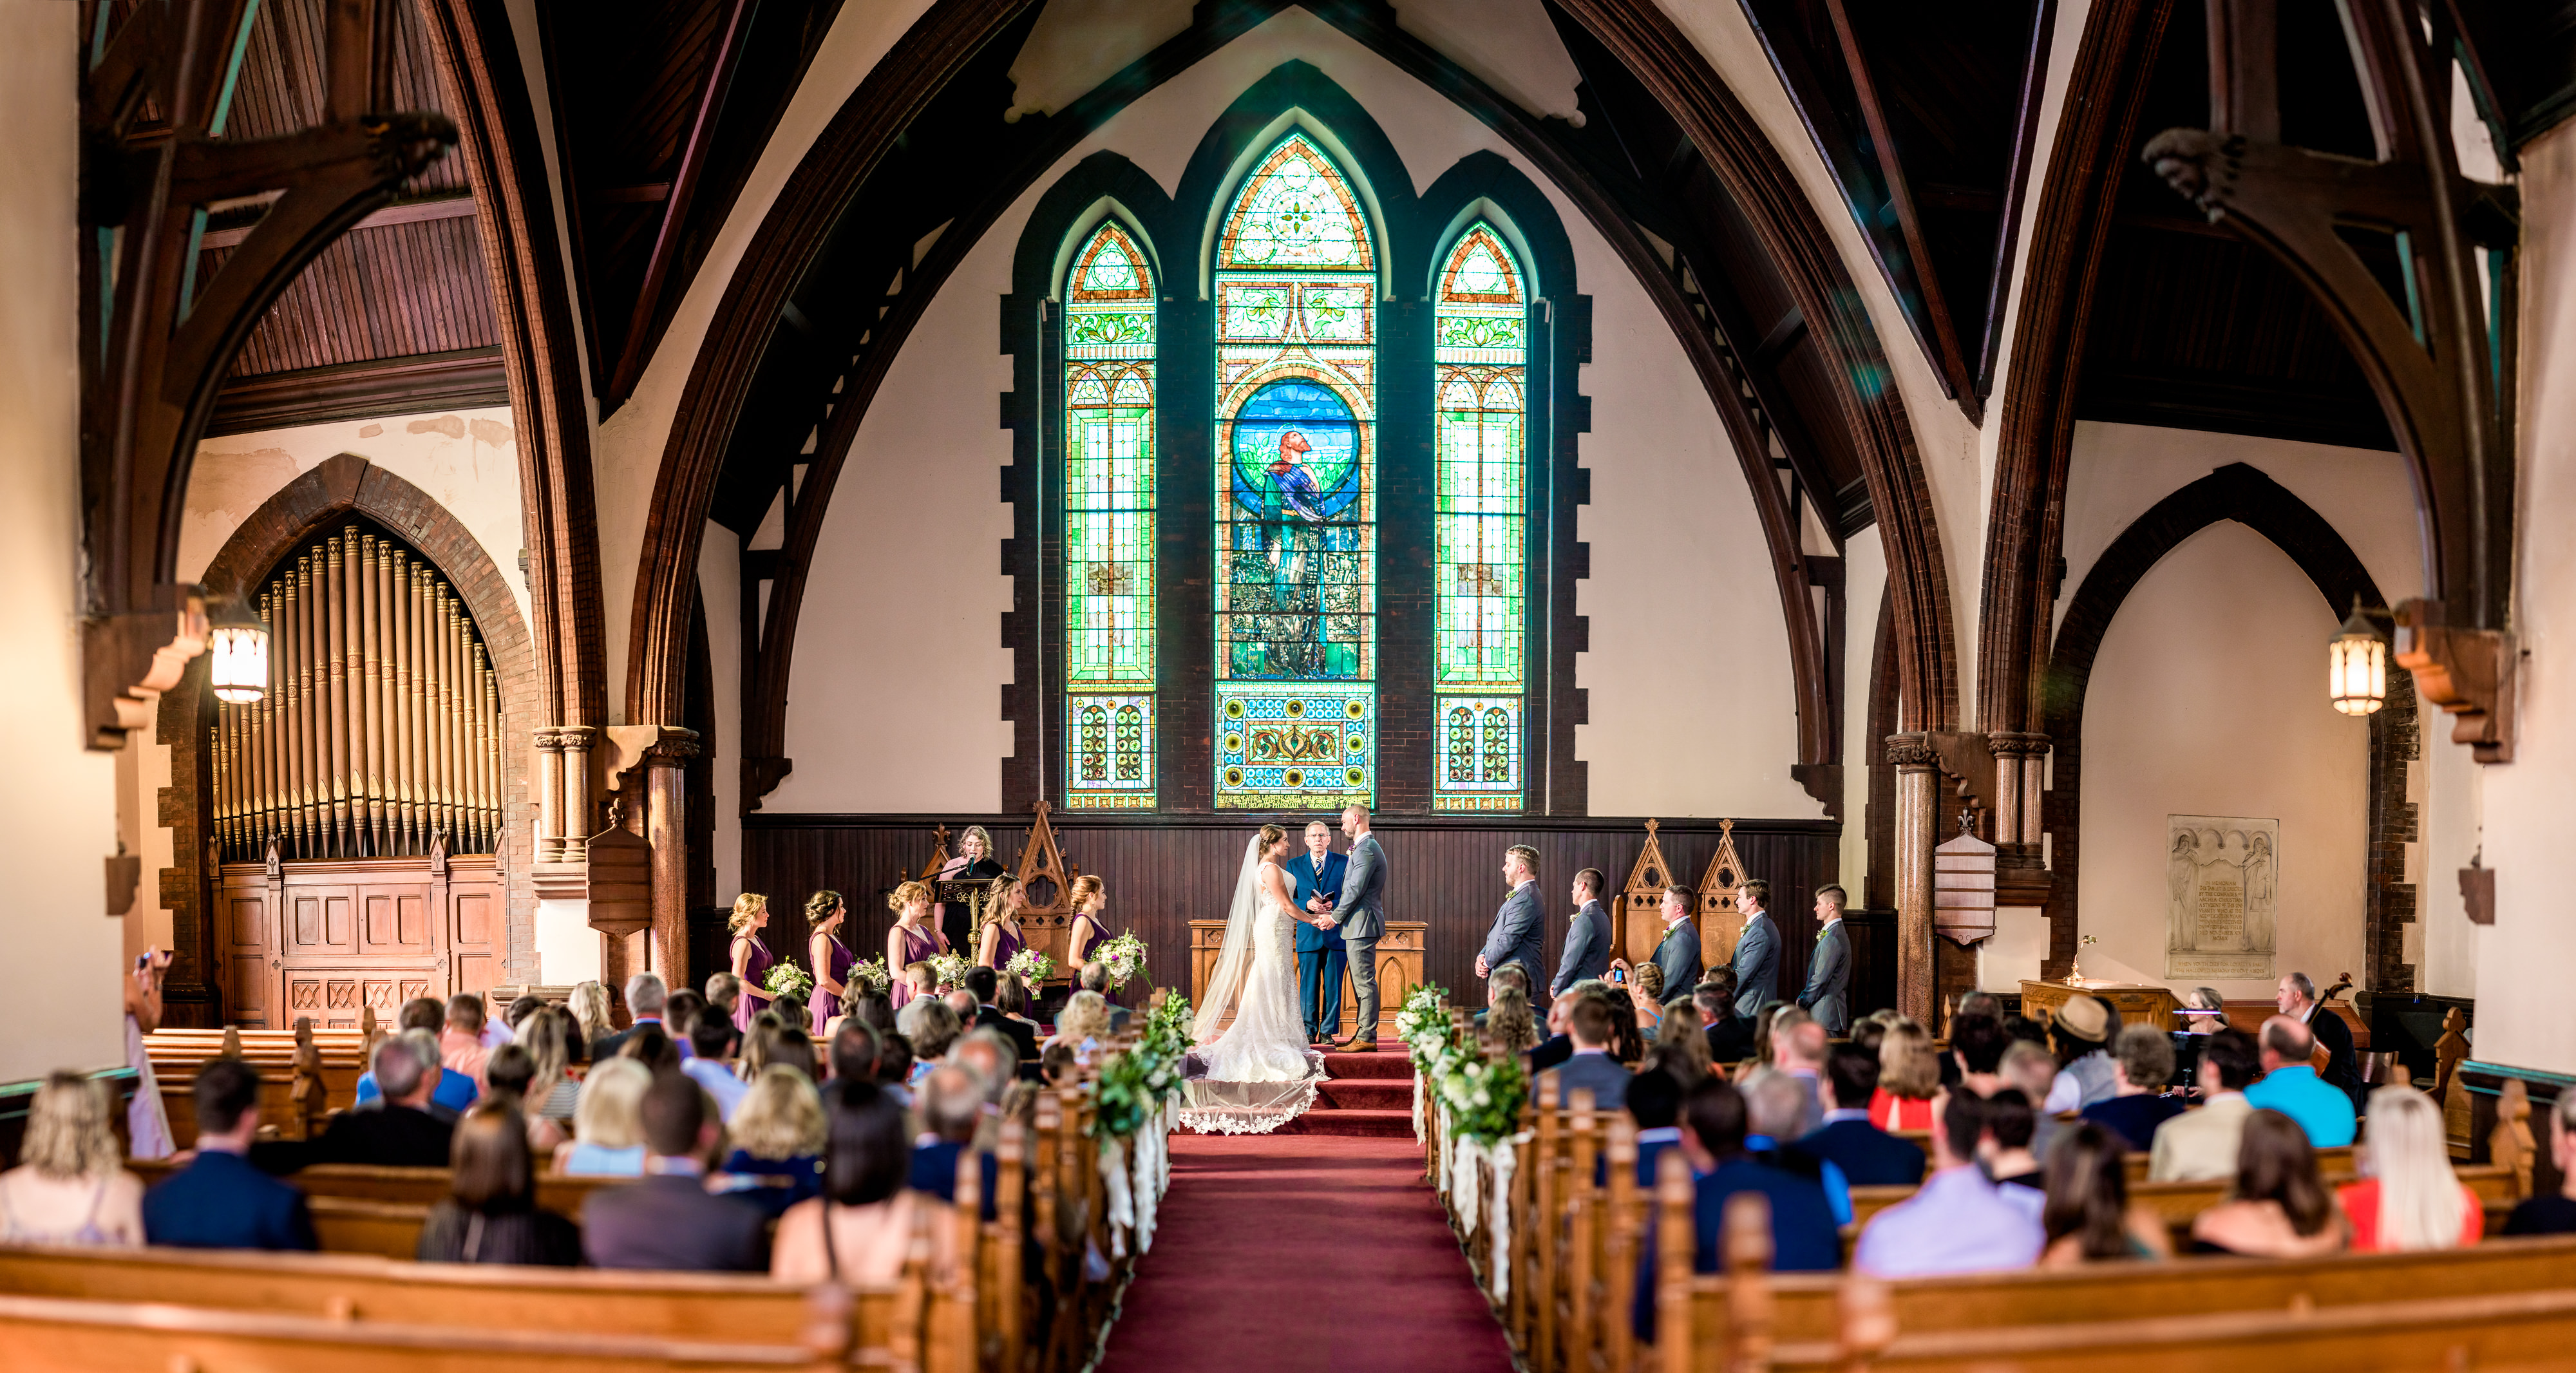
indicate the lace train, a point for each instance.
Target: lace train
{"x":1260,"y":1073}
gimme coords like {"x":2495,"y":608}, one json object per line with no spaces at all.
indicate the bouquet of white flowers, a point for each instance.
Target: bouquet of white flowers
{"x":949,"y":969}
{"x":1031,"y":966}
{"x":1123,"y":956}
{"x":871,"y":976}
{"x":786,"y":979}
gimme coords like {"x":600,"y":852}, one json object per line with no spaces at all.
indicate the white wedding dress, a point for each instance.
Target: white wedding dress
{"x":1259,"y":1073}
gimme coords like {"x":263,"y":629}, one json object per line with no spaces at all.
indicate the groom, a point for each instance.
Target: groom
{"x":1361,"y":919}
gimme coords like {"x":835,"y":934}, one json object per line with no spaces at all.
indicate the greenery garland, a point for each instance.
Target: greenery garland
{"x":1134,"y":1085}
{"x":1481,"y":1098}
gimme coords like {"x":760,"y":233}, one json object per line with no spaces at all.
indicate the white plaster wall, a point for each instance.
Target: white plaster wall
{"x":1680,"y":580}
{"x":2205,"y":700}
{"x":2522,"y":960}
{"x":720,"y":589}
{"x":58,"y":813}
{"x":1864,"y":591}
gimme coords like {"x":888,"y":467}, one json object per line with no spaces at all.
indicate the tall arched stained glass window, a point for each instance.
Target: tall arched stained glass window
{"x":1480,"y":361}
{"x":1296,"y":488}
{"x":1109,"y":524}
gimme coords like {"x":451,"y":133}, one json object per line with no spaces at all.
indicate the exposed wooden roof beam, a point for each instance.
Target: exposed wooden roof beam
{"x":409,"y":212}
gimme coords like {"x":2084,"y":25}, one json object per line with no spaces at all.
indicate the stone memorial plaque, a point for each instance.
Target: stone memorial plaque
{"x":2223,"y":894}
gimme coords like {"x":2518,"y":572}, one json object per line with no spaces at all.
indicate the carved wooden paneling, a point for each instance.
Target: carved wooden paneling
{"x":329,"y":939}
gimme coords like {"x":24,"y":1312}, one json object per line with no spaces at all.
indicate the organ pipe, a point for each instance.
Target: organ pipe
{"x":384,"y":727}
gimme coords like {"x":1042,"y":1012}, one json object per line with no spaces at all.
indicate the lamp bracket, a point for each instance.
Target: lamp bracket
{"x":2469,"y":673}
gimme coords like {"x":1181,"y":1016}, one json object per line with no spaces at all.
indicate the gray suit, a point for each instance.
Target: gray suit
{"x":1757,"y":965}
{"x":1587,"y":949}
{"x":1361,"y":918}
{"x":1604,"y":1075}
{"x":1828,"y":994}
{"x":1520,"y":933}
{"x":1677,"y":956}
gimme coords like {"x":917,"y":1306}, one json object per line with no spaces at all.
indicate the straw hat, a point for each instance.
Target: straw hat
{"x":2086,"y":1018}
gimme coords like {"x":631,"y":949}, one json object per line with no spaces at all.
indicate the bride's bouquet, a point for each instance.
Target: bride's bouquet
{"x":1031,"y":966}
{"x":949,"y":968}
{"x":870,"y":977}
{"x":1123,"y":956}
{"x":786,"y":979}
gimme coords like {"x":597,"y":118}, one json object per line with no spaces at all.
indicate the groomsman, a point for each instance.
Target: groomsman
{"x":1757,"y":950}
{"x":1678,"y":954}
{"x":1828,"y":993}
{"x":1587,"y":940}
{"x":1520,"y":926}
{"x":1320,"y":953}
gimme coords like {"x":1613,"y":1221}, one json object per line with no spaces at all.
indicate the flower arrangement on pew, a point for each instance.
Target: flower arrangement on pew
{"x":949,"y":967}
{"x":871,"y":976}
{"x":1423,"y":1024}
{"x":1123,"y":956}
{"x":786,"y":979}
{"x":1133,"y":1103}
{"x":1478,"y":1102}
{"x":1030,"y":966}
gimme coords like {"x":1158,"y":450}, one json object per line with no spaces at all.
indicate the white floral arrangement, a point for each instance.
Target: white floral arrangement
{"x":1030,"y":966}
{"x":1123,"y":956}
{"x":949,"y":969}
{"x":1423,"y":1024}
{"x":786,"y":979}
{"x":870,"y":977}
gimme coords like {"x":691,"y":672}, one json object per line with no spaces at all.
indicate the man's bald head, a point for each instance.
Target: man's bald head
{"x":2286,"y":1041}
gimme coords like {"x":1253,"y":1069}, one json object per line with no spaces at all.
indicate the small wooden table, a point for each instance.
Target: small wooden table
{"x":2139,"y":1003}
{"x":1399,"y":970}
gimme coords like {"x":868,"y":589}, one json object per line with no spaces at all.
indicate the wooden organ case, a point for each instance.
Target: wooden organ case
{"x":356,"y":809}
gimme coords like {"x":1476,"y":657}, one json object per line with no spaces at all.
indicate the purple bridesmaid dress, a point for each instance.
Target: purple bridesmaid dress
{"x":826,"y":1004}
{"x":918,"y":946}
{"x":755,"y":970}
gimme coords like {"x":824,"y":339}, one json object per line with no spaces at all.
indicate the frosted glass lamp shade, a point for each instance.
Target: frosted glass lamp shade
{"x":2357,"y":667}
{"x":237,"y":653}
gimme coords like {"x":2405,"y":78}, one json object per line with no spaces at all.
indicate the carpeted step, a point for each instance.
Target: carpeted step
{"x":1385,"y":1063}
{"x":1367,"y":1094}
{"x":1353,"y":1124}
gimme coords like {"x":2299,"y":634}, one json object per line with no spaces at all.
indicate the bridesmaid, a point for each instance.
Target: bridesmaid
{"x":1087,"y":934}
{"x":1002,"y":938}
{"x":751,"y":958}
{"x":825,"y":910}
{"x":914,"y":937}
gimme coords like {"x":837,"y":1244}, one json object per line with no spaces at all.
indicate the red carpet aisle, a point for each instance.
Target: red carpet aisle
{"x":1315,"y":1252}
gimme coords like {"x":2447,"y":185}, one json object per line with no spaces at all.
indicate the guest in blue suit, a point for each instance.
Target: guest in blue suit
{"x":1655,"y":1102}
{"x":1590,"y":1067}
{"x":1804,"y":1237}
{"x":220,"y":1201}
{"x":1868,"y":1155}
{"x":1321,"y":954}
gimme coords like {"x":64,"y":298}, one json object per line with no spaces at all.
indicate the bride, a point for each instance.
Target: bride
{"x":1260,"y":1073}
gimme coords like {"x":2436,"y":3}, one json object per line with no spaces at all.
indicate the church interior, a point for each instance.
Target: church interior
{"x":1851,"y":499}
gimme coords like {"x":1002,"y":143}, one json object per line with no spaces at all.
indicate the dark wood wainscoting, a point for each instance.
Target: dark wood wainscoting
{"x":326,"y":938}
{"x":1164,"y":872}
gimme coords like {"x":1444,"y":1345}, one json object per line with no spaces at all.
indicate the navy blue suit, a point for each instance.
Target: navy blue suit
{"x":1868,"y":1155}
{"x":221,"y":1202}
{"x":1804,"y":1237}
{"x":1322,"y":957}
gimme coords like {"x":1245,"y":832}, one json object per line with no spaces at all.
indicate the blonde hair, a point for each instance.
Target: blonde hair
{"x":69,"y":1132}
{"x":745,"y":907}
{"x":1906,"y":1066}
{"x":610,"y":1113}
{"x":976,"y":832}
{"x":1270,"y":834}
{"x":1085,"y":888}
{"x":1650,"y":979}
{"x":2420,"y":1205}
{"x":909,"y":894}
{"x":1086,"y":1015}
{"x":922,"y":972}
{"x":589,"y":1006}
{"x":781,"y":1116}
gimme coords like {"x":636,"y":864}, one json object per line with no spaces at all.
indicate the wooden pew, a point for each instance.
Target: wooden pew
{"x":2179,"y":1202}
{"x":296,"y":1091}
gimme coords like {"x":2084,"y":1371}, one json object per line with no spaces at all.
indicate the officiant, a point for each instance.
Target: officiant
{"x":974,"y":863}
{"x":1321,"y":954}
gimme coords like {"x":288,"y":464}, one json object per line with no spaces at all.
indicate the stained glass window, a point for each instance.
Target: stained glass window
{"x":1296,"y":500}
{"x":1109,"y":524}
{"x":1480,"y":360}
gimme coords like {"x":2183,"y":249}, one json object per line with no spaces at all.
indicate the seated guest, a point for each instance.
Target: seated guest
{"x":460,"y":1045}
{"x":1958,"y":1221}
{"x":2553,"y":1215}
{"x":507,"y":1074}
{"x":679,"y":1014}
{"x":492,"y":1216}
{"x":894,"y":1068}
{"x":451,"y":1091}
{"x":2081,"y":1035}
{"x":985,"y":984}
{"x":2088,"y":1215}
{"x":1680,"y":1047}
{"x":1909,"y":1076}
{"x":518,"y":1011}
{"x":219,"y":1201}
{"x":400,"y":1133}
{"x":1977,"y":1046}
{"x":1627,"y":1039}
{"x":1867,"y":1155}
{"x":1798,"y":1053}
{"x":647,"y":998}
{"x":2291,"y":1086}
{"x":1558,"y":1046}
{"x":1804,"y":1237}
{"x":724,"y":992}
{"x":669,"y":1219}
{"x":988,"y":1054}
{"x":608,"y":1125}
{"x":951,"y":1103}
{"x":919,"y":981}
{"x":778,"y":1044}
{"x":2278,"y":1209}
{"x":2201,"y":1145}
{"x":1774,"y":1106}
{"x":854,"y":1051}
{"x":588,"y":1003}
{"x":2412,"y":1199}
{"x":1655,"y":1103}
{"x":715,"y":1038}
{"x":70,"y":1185}
{"x":1056,"y":1065}
{"x":932,"y":1025}
{"x":1970,"y":1004}
{"x":871,"y":1009}
{"x":556,"y":1050}
{"x":1508,"y":1023}
{"x":1094,"y":977}
{"x":1646,"y":994}
{"x":2030,"y":1069}
{"x":777,"y":1137}
{"x":1013,"y":1000}
{"x":2141,"y":1064}
{"x":2005,"y":1151}
{"x":1730,"y":1036}
{"x":1083,"y":1024}
{"x":860,"y":1228}
{"x":1511,"y":976}
{"x":1590,"y":1066}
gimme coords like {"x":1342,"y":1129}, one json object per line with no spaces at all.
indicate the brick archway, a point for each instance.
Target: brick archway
{"x":345,"y":485}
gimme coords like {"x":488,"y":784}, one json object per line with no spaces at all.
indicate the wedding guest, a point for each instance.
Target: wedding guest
{"x":1958,"y":1221}
{"x":2005,"y":1149}
{"x":830,"y":959}
{"x":894,"y":1068}
{"x":790,"y":1010}
{"x":667,"y":1219}
{"x":506,"y":1076}
{"x":1677,"y":956}
{"x":864,"y":1206}
{"x":872,"y":1009}
{"x":1773,"y":1105}
{"x":724,"y":992}
{"x":1056,"y":1065}
{"x":1655,"y":1102}
{"x":1765,"y":1018}
{"x":751,"y":956}
{"x":555,"y":1047}
{"x":1001,"y":938}
{"x":607,"y":1126}
{"x":1587,"y":936}
{"x":773,"y":1045}
{"x":1012,"y":999}
{"x":2080,"y":1033}
{"x":712,"y":1066}
{"x":588,"y":1004}
{"x":2290,"y":1086}
{"x":1978,"y":1043}
{"x":2278,"y":1208}
{"x":984,"y":984}
{"x":2088,"y":1215}
{"x":1804,"y":1236}
{"x":528,"y":1004}
{"x":2205,"y":1144}
{"x":1088,"y":932}
{"x":1590,"y":1065}
{"x":1084,"y":1025}
{"x":1627,"y":1042}
{"x":647,"y":998}
{"x":460,"y":1044}
{"x":1909,"y":1076}
{"x":2140,"y":1066}
{"x":220,"y":1200}
{"x":2203,"y":1013}
{"x":1798,"y":1053}
{"x":1828,"y":993}
{"x":1730,"y":1036}
{"x":1558,"y":1046}
{"x":70,"y":1185}
{"x":1867,"y":1155}
{"x":2411,"y":1198}
{"x":680,"y":1012}
{"x":912,"y":940}
{"x":1509,"y":1023}
{"x":450,"y":1091}
{"x":2555,"y":1215}
{"x":1757,"y":947}
{"x":399,"y":1132}
{"x":975,"y":862}
{"x":2031,"y":1070}
{"x":1095,"y":978}
{"x":934,"y":1026}
{"x":1680,"y":1047}
{"x":777,"y":1137}
{"x":951,"y":1105}
{"x":652,"y":1048}
{"x":491,"y":1214}
{"x":1646,"y":996}
{"x":853,"y":1051}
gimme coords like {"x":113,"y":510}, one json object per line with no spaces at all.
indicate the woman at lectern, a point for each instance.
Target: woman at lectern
{"x":974,"y":863}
